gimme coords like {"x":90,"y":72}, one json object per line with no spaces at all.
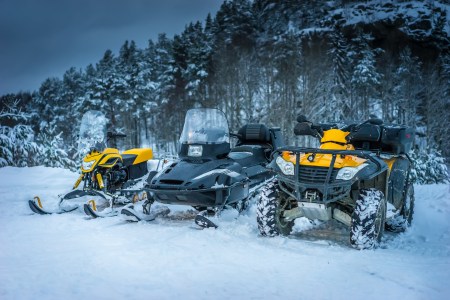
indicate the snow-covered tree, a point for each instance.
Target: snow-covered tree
{"x":365,"y":78}
{"x":429,"y":167}
{"x":341,"y":63}
{"x":51,"y":151}
{"x":408,"y":76}
{"x":102,"y":91}
{"x":17,"y":146}
{"x":51,"y":106}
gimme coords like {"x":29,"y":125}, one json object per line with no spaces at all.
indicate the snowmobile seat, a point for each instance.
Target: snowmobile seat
{"x":249,"y":153}
{"x":254,"y":134}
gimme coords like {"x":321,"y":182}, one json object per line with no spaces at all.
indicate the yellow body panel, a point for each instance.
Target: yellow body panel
{"x":96,"y":156}
{"x":390,"y":162}
{"x":324,"y":160}
{"x":143,"y":154}
{"x":333,"y":139}
{"x":334,"y":135}
{"x":100,"y":180}
{"x":117,"y":157}
{"x":110,"y":151}
{"x":334,"y":146}
{"x":77,"y":183}
{"x":92,"y":156}
{"x":100,"y":158}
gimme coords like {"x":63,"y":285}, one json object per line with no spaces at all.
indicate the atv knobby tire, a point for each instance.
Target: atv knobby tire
{"x":368,"y":219}
{"x":270,"y":206}
{"x":401,"y":222}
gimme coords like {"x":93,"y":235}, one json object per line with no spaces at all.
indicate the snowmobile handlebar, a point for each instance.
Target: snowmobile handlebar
{"x":235,"y":135}
{"x":111,"y":135}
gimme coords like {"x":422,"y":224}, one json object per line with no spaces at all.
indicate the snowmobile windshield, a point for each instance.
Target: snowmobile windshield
{"x":205,"y":126}
{"x":92,"y":132}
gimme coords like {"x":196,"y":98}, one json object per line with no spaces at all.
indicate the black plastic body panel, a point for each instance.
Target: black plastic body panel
{"x":216,"y":180}
{"x":398,"y":181}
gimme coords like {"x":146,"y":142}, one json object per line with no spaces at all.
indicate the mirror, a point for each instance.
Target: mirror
{"x":375,"y":121}
{"x":115,"y":135}
{"x":302,"y":119}
{"x":304,"y":128}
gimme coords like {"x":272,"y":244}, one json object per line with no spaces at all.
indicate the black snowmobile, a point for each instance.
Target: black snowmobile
{"x":210,"y":175}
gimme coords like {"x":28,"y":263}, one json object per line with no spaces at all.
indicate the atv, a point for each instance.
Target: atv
{"x":108,"y":178}
{"x":210,"y":175}
{"x":359,"y":176}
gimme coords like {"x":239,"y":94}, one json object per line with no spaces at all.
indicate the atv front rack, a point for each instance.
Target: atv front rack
{"x":323,"y":178}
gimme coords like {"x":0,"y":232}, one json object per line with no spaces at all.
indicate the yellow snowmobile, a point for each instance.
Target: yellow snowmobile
{"x":359,"y":176}
{"x":108,"y":178}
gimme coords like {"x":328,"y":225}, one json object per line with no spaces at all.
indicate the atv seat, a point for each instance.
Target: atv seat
{"x":254,"y":134}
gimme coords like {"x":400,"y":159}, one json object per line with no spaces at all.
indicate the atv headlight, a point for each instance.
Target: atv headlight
{"x":286,"y":167}
{"x":195,"y":151}
{"x":87,"y":165}
{"x":348,"y":173}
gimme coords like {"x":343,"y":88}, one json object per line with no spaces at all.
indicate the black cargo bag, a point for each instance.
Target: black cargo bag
{"x":397,"y":139}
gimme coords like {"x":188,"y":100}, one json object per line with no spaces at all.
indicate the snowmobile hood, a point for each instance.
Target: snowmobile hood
{"x":90,"y":161}
{"x":106,"y":159}
{"x":189,"y":175}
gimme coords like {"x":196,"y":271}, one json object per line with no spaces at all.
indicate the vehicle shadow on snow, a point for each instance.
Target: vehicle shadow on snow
{"x":333,"y":233}
{"x":330,"y":233}
{"x":174,"y":219}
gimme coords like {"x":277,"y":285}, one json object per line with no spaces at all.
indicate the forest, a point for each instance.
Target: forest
{"x":263,"y":61}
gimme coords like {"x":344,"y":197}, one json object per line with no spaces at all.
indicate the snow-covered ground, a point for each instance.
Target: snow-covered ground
{"x":71,"y":256}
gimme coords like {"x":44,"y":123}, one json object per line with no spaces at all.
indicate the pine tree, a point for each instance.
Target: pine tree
{"x":130,"y":90}
{"x":51,"y":151}
{"x":50,"y":104}
{"x":429,"y":167}
{"x":365,"y":78}
{"x":17,"y":146}
{"x":407,"y":89}
{"x":338,"y":52}
{"x":288,"y":67}
{"x":72,"y":94}
{"x":102,"y":93}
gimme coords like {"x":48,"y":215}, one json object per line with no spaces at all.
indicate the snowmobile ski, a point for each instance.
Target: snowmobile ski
{"x":36,"y":207}
{"x":204,"y":222}
{"x":132,"y":215}
{"x":90,"y":209}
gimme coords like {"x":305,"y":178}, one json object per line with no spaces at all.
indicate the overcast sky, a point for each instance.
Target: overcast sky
{"x":44,"y":38}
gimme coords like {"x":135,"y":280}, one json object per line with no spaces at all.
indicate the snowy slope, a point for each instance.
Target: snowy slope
{"x":73,"y":257}
{"x":416,"y":18}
